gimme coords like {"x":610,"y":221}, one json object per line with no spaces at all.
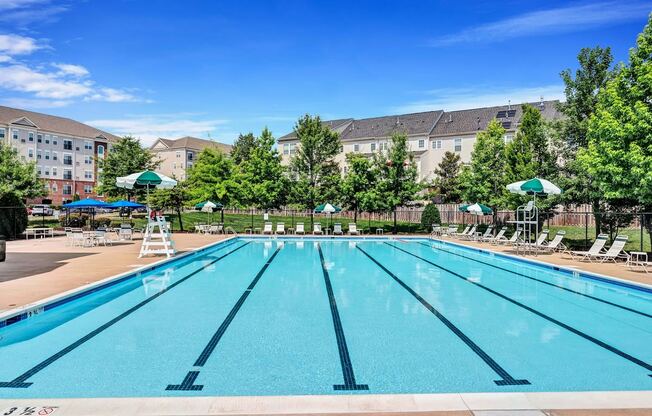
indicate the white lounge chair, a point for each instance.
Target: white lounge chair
{"x":497,"y":237}
{"x":594,"y":250}
{"x":353,"y":229}
{"x":542,"y":241}
{"x":468,"y":235}
{"x":487,"y":233}
{"x":615,"y":252}
{"x":299,"y":229}
{"x":337,"y":229}
{"x":513,"y":240}
{"x":280,"y":228}
{"x":556,"y":243}
{"x":317,"y":229}
{"x":267,"y":228}
{"x":452,"y":230}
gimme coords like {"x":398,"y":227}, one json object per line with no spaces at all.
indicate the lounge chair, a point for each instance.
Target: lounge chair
{"x":317,"y":229}
{"x":469,"y":235}
{"x":542,"y":241}
{"x":487,"y":233}
{"x":452,"y":230}
{"x":299,"y":229}
{"x":497,"y":237}
{"x":337,"y":229}
{"x":353,"y":229}
{"x":267,"y":228}
{"x":280,"y":228}
{"x":596,"y":248}
{"x":436,"y":229}
{"x":616,"y":251}
{"x":556,"y":243}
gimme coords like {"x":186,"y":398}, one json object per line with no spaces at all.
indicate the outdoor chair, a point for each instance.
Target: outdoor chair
{"x":468,"y":235}
{"x":337,"y":229}
{"x":452,"y":229}
{"x":436,"y":229}
{"x":615,"y":252}
{"x":299,"y":229}
{"x":102,"y":238}
{"x":454,"y":233}
{"x":487,"y":233}
{"x":542,"y":240}
{"x":69,"y":237}
{"x":596,"y":248}
{"x":126,"y":233}
{"x":317,"y":229}
{"x":78,"y":239}
{"x":555,"y":244}
{"x":353,"y":229}
{"x":267,"y":229}
{"x":280,"y":228}
{"x":497,"y":237}
{"x":513,"y":240}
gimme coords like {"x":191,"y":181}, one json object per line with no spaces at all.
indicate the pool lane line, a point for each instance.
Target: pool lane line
{"x":505,"y":378}
{"x":20,"y":381}
{"x":189,"y":379}
{"x":343,"y":349}
{"x":647,"y":315}
{"x":567,"y":327}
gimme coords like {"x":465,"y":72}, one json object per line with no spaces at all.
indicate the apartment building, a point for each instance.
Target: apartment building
{"x":430,"y":134}
{"x":64,"y":151}
{"x":177,"y":156}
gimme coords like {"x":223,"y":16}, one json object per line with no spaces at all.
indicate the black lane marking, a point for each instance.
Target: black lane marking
{"x":345,"y":358}
{"x":541,"y":281}
{"x":505,"y":378}
{"x":567,"y":327}
{"x":19,"y":382}
{"x":188,"y":381}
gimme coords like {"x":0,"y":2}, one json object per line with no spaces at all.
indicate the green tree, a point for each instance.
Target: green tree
{"x":126,"y":157}
{"x":484,"y":180}
{"x":430,"y":216}
{"x":214,"y":177}
{"x":581,"y":99}
{"x":313,"y":168}
{"x":447,"y":183}
{"x":242,"y":147}
{"x":619,"y":153}
{"x":358,"y":183}
{"x":264,"y":180}
{"x":398,"y":174}
{"x":174,"y":199}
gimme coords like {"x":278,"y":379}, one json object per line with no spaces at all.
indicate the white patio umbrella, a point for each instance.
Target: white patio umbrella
{"x":146,"y":179}
{"x":208,"y":208}
{"x":535,"y":186}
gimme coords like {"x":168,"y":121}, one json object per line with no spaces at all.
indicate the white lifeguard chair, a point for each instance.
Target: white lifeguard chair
{"x":157,"y":239}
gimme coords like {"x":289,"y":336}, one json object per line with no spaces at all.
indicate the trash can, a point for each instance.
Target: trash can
{"x":3,"y":248}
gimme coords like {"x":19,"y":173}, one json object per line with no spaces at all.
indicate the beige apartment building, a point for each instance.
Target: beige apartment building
{"x":177,"y":156}
{"x":430,"y":134}
{"x":64,"y":150}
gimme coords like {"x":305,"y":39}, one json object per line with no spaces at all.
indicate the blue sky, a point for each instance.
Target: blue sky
{"x":169,"y":68}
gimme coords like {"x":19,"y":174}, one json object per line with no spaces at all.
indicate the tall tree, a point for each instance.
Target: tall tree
{"x":359,"y":180}
{"x":447,"y":181}
{"x":484,"y":180}
{"x":126,"y":157}
{"x":398,"y":174}
{"x":314,"y":170}
{"x":214,"y":177}
{"x":173,"y":199}
{"x":264,"y":181}
{"x":242,"y":147}
{"x":619,"y":153}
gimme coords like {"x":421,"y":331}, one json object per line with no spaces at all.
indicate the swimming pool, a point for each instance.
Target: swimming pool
{"x":334,"y":316}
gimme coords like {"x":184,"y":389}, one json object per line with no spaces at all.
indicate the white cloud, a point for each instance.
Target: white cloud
{"x":112,"y":95}
{"x":19,"y":4}
{"x":461,"y":98}
{"x":17,"y":45}
{"x":25,"y":12}
{"x":148,"y":128}
{"x":34,"y":103}
{"x":551,"y":21}
{"x":20,"y":78}
{"x":72,"y":70}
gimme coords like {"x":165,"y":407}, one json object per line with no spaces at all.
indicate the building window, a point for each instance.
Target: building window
{"x":54,"y":139}
{"x":67,"y":189}
{"x":47,"y":155}
{"x":88,"y":145}
{"x":46,"y":186}
{"x":15,"y":134}
{"x":373,"y":147}
{"x":436,"y":144}
{"x":88,"y":160}
{"x":54,"y":187}
{"x":88,"y":174}
{"x":54,"y":171}
{"x":38,"y":154}
{"x":30,"y":152}
{"x":2,"y":133}
{"x":458,"y":145}
{"x":292,"y":148}
{"x":30,"y":137}
{"x":356,"y":147}
{"x":190,"y":155}
{"x":88,"y":189}
{"x":286,"y":149}
{"x":508,"y":138}
{"x":54,"y":156}
{"x":67,"y":159}
{"x":178,"y":154}
{"x":67,"y":174}
{"x":47,"y":171}
{"x":383,"y":146}
{"x":67,"y":144}
{"x":174,"y":165}
{"x":422,"y":143}
{"x":189,"y":165}
{"x":100,"y":150}
{"x":38,"y":170}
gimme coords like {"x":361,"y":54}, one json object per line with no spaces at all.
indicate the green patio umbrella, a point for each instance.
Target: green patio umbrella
{"x":478,"y":209}
{"x":146,"y":179}
{"x":327,"y":209}
{"x":534,"y":186}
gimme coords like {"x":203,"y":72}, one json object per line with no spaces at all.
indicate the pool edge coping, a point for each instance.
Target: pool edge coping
{"x":344,"y":404}
{"x":89,"y":287}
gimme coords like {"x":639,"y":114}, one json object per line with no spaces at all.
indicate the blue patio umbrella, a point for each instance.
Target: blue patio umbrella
{"x":126,"y":204}
{"x":89,"y":203}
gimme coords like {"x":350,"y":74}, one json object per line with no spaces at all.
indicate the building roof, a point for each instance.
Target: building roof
{"x":475,"y":119}
{"x":189,"y":142}
{"x":410,"y":124}
{"x":333,"y":124}
{"x":52,"y":124}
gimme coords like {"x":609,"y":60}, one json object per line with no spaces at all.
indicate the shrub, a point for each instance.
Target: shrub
{"x":429,"y":216}
{"x":74,"y":220}
{"x":13,"y":220}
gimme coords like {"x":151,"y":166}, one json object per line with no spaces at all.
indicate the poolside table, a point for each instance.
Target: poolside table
{"x":380,"y":231}
{"x":42,"y":231}
{"x":637,"y":259}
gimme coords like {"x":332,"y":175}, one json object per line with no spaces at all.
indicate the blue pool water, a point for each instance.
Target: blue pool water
{"x":288,"y":316}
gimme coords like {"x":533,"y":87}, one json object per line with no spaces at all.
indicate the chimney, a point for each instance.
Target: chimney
{"x":541,"y":104}
{"x":398,"y":121}
{"x":450,"y":118}
{"x":509,"y":104}
{"x":478,"y":121}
